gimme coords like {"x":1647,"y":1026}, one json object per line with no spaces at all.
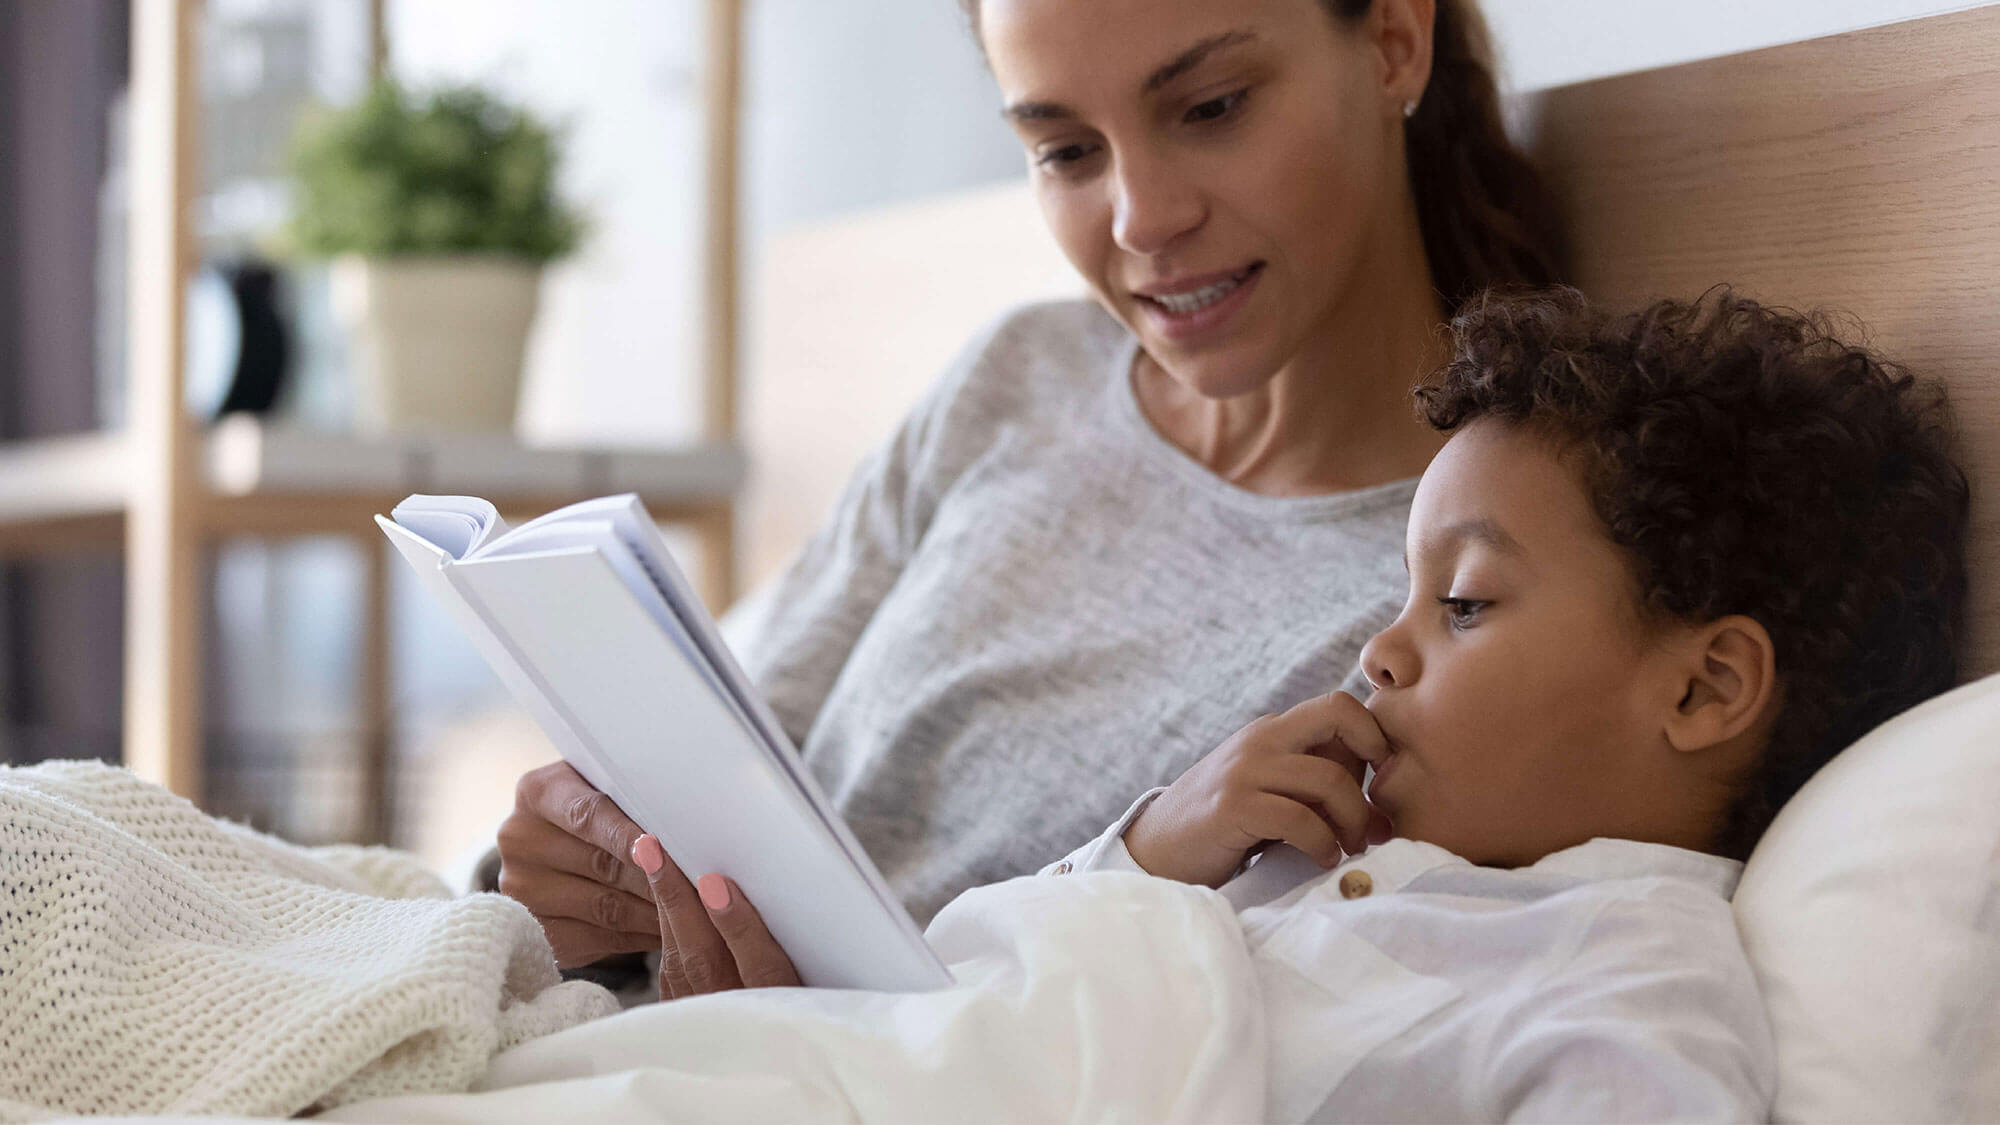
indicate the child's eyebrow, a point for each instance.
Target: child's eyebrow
{"x":1476,"y":530}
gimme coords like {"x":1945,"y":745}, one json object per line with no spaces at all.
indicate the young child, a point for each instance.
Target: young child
{"x":1665,"y":568}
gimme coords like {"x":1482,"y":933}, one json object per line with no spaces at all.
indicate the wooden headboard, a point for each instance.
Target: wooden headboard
{"x":1859,"y":172}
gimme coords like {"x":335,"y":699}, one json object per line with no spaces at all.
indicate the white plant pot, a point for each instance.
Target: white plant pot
{"x":436,"y":342}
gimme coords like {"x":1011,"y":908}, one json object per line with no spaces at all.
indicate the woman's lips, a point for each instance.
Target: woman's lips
{"x":1201,"y":311}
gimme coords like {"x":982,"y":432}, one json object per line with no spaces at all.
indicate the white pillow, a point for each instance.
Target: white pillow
{"x":1871,"y":911}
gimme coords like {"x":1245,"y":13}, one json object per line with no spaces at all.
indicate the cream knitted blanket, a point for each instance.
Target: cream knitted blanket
{"x":154,"y":960}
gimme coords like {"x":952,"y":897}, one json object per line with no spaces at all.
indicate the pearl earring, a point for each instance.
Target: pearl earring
{"x":1410,"y":108}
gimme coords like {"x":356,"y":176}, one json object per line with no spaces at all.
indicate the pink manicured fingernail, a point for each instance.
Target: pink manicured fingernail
{"x":714,"y":892}
{"x":647,"y":853}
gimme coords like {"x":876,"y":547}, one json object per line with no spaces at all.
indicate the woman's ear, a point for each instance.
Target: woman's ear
{"x":1728,"y":679}
{"x":1402,"y":30}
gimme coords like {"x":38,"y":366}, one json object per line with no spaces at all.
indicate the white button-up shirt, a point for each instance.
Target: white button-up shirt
{"x":1604,"y":983}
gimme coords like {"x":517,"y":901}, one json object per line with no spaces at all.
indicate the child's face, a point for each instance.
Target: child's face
{"x":1520,"y":688}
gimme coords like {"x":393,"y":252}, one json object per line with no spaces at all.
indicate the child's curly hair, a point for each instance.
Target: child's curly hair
{"x":1749,"y":463}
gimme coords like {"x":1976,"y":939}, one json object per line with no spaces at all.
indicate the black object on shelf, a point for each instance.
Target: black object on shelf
{"x":240,"y":344}
{"x":264,"y":356}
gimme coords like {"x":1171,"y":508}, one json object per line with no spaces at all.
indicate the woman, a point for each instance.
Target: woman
{"x":1116,"y":531}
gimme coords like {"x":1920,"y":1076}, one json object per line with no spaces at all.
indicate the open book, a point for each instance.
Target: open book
{"x":584,"y":616}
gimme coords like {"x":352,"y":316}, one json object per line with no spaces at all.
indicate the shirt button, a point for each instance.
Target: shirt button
{"x":1062,"y":868}
{"x":1356,"y":884}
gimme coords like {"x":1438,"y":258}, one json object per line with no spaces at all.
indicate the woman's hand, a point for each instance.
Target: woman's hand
{"x":600,"y":886}
{"x":1294,"y":777}
{"x":715,"y":940}
{"x":566,"y":854}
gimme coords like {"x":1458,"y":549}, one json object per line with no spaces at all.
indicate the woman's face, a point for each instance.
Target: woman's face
{"x":1222,"y":172}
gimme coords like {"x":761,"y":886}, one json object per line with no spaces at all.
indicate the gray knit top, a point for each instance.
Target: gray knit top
{"x":1028,"y":608}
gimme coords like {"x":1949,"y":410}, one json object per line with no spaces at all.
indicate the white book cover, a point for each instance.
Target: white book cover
{"x":587,"y":621}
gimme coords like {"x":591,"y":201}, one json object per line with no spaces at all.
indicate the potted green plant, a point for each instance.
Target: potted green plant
{"x":438,"y":212}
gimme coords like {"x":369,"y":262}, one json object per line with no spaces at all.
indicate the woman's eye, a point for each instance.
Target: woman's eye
{"x":1215,"y":109}
{"x":1461,"y":611}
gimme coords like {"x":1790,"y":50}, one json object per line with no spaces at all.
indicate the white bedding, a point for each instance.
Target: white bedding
{"x":1470,"y":993}
{"x":1108,"y":999}
{"x":155,"y":960}
{"x":1091,"y":998}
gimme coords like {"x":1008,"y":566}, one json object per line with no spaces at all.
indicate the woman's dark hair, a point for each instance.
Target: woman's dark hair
{"x":1751,"y":463}
{"x":1487,"y":218}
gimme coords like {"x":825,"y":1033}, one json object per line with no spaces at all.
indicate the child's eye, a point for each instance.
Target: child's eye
{"x":1461,"y":611}
{"x":1215,"y":109}
{"x":1060,"y":159}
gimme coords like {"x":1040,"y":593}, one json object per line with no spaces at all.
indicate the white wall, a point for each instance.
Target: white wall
{"x":610,"y":356}
{"x":1546,"y":43}
{"x":856,"y":104}
{"x":850,"y":104}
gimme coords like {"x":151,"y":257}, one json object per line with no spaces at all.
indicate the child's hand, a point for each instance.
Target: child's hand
{"x":1294,"y":777}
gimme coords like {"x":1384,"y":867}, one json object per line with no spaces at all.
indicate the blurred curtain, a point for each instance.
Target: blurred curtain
{"x":62,"y":63}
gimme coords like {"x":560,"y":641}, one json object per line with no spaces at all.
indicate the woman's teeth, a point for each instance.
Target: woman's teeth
{"x":1181,"y":304}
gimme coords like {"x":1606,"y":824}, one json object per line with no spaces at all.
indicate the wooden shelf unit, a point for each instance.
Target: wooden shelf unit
{"x":166,"y":490}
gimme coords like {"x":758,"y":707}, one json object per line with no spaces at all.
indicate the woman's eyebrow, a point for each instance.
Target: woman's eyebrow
{"x":1193,"y":57}
{"x":1182,"y":63}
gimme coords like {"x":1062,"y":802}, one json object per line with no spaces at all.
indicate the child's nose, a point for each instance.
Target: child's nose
{"x":1386,"y":662}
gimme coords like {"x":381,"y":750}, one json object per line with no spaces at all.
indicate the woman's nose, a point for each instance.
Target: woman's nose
{"x":1152,"y":207}
{"x":1387,"y":661}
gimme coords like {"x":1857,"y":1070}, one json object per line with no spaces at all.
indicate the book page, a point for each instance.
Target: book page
{"x":457,"y":525}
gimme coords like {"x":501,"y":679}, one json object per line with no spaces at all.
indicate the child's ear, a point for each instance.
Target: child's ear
{"x":1728,"y":677}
